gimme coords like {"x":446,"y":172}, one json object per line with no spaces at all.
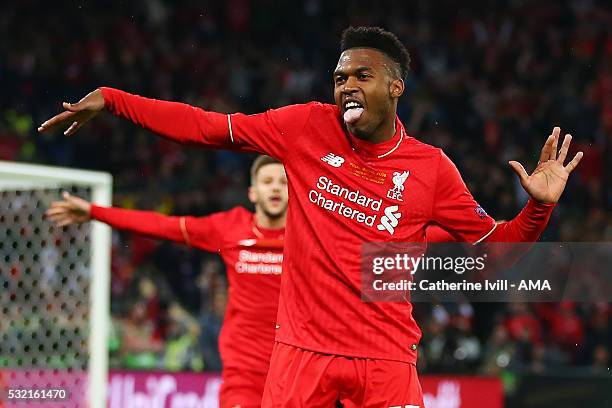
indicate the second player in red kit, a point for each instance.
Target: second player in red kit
{"x":355,"y":176}
{"x":251,"y":246}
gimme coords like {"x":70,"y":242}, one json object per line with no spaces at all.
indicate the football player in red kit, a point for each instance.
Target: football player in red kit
{"x":251,"y":246}
{"x":355,"y":176}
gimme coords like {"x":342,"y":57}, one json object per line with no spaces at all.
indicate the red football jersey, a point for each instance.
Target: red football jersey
{"x":253,"y":259}
{"x":343,"y":192}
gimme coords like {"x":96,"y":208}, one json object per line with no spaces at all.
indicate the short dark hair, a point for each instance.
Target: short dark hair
{"x":379,"y":39}
{"x":260,"y":161}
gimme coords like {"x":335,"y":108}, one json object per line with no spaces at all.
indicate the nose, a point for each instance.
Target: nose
{"x":276,"y":187}
{"x":350,"y":86}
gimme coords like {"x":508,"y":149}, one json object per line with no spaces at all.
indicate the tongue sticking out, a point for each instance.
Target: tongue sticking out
{"x":352,"y":115}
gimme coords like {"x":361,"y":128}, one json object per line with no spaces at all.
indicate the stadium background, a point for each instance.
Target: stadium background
{"x":489,"y":80}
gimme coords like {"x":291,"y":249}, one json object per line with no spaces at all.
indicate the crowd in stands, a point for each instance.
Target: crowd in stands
{"x":488,"y":81}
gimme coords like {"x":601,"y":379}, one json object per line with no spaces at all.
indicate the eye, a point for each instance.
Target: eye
{"x":363,"y":76}
{"x":339,"y":80}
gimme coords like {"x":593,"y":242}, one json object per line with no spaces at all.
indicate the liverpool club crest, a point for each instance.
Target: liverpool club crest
{"x":399,"y":179}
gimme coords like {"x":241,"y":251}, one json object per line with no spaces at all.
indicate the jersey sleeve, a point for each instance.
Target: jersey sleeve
{"x":271,"y":132}
{"x":456,"y":211}
{"x":527,"y":226}
{"x":199,"y":232}
{"x":454,"y":208}
{"x":147,"y":223}
{"x":206,"y":232}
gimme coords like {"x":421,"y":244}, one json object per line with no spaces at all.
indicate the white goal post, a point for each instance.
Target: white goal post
{"x":65,"y":272}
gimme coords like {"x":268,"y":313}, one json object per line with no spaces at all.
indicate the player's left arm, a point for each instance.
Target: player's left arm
{"x":544,"y":186}
{"x":456,"y":210}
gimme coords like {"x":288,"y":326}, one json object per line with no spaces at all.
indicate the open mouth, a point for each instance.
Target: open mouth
{"x":352,"y":111}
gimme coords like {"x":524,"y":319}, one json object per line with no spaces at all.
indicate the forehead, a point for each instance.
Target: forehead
{"x":271,"y":169}
{"x":362,"y":57}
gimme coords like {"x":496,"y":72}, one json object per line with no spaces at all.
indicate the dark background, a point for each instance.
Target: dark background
{"x":489,"y":80}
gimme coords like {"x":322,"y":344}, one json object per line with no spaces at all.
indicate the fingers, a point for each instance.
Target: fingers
{"x":55,"y":122}
{"x":519,"y":170}
{"x":73,"y":107}
{"x":61,"y":221}
{"x":546,"y":149}
{"x":80,"y":112}
{"x":59,"y":218}
{"x":73,"y":201}
{"x":553,"y":150}
{"x":69,"y":211}
{"x":73,"y":128}
{"x":59,"y":207}
{"x":61,"y":204}
{"x":567,"y":140}
{"x":77,"y":203}
{"x":572,"y":165}
{"x":57,"y":211}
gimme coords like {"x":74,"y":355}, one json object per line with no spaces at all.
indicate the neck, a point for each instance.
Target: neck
{"x":265,"y":221}
{"x":383,"y":132}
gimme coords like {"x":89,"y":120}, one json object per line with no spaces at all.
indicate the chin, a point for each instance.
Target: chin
{"x":274,"y":213}
{"x":360,"y":131}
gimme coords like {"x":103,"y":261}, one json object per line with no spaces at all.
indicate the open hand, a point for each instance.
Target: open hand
{"x":75,"y":114}
{"x":72,"y":210}
{"x":548,"y":180}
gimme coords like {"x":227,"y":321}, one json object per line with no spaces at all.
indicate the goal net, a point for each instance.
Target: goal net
{"x":54,"y":285}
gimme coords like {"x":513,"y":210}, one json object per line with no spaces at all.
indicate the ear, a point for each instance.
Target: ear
{"x":396,"y":88}
{"x":252,"y":194}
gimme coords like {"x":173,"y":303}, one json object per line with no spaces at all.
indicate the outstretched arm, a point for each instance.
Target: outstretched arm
{"x":75,"y":210}
{"x":271,"y":132}
{"x":174,"y":120}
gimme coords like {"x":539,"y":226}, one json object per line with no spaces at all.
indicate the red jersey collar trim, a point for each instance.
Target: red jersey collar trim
{"x":382,"y":149}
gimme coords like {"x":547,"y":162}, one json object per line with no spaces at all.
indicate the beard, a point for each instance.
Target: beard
{"x":274,"y":215}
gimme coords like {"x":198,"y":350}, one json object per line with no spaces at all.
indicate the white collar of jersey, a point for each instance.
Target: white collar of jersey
{"x":402,"y":136}
{"x":355,"y":143}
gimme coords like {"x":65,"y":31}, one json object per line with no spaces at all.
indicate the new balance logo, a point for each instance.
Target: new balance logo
{"x":333,"y":160}
{"x":390,"y":220}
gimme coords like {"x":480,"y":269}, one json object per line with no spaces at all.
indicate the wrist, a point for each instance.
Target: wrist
{"x":106,"y":96}
{"x":94,"y":211}
{"x":534,"y":201}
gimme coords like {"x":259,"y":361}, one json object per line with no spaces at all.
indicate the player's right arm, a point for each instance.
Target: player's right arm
{"x":75,"y":210}
{"x":270,"y":132}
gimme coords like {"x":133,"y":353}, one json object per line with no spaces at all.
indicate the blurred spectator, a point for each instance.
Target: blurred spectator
{"x":567,"y":328}
{"x":499,"y":353}
{"x":139,"y":347}
{"x":522,"y":324}
{"x":210,"y":327}
{"x":182,"y":350}
{"x":601,"y":359}
{"x":467,"y":346}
